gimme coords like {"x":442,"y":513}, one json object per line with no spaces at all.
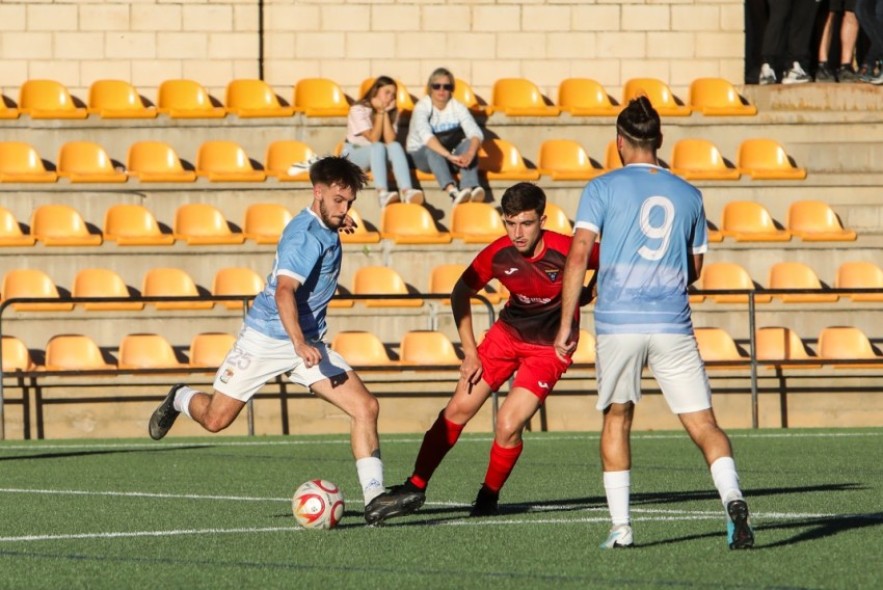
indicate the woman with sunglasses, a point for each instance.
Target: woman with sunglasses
{"x":444,"y":138}
{"x":371,"y":129}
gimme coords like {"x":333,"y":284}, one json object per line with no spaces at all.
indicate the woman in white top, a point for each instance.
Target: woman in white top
{"x":371,"y":142}
{"x":444,"y":138}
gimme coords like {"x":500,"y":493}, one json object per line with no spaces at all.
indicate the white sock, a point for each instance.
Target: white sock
{"x":617,"y":486}
{"x":726,"y":480}
{"x":182,"y":399}
{"x":370,"y":471}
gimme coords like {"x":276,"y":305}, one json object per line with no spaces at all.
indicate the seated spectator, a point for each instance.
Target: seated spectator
{"x":848,"y":36}
{"x":371,"y":142}
{"x":444,"y":138}
{"x":790,"y":22}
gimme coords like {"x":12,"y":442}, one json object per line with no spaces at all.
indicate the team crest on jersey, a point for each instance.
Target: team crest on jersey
{"x":553,"y":273}
{"x":226,"y":375}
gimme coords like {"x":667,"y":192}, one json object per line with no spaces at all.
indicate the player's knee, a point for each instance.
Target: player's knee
{"x":508,"y":430}
{"x":368,"y":410}
{"x":216,"y":422}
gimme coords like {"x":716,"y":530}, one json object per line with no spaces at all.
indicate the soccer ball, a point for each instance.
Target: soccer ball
{"x":317,"y":504}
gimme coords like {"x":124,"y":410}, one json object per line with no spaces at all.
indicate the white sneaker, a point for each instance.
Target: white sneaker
{"x":413,"y":195}
{"x":477,"y":195}
{"x":387,"y":197}
{"x":796,"y":75}
{"x":767,"y":75}
{"x":460,"y":196}
{"x":620,"y":537}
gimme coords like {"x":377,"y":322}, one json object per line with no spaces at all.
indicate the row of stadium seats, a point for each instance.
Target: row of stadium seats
{"x":227,"y":161}
{"x":321,"y":97}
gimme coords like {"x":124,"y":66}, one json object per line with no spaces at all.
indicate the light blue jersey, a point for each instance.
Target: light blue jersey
{"x":310,"y":252}
{"x":651,"y":223}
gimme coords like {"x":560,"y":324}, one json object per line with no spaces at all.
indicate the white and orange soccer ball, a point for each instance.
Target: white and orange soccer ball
{"x":317,"y":504}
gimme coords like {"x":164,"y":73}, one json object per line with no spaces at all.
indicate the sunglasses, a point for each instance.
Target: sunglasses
{"x":448,"y":87}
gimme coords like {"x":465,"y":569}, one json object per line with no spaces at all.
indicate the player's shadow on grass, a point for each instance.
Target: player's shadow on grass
{"x":75,"y":454}
{"x":643,"y":499}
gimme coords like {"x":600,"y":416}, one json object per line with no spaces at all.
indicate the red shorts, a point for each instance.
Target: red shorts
{"x":537,"y":368}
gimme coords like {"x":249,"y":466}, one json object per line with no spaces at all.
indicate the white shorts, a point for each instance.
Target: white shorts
{"x":673,"y":358}
{"x":256,"y":359}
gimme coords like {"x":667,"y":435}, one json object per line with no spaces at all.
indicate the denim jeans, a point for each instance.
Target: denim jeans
{"x":429,"y":161}
{"x":374,"y":158}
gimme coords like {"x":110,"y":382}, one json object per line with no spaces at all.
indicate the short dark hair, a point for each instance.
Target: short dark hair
{"x":521,"y":197}
{"x":639,"y":124}
{"x":338,"y":170}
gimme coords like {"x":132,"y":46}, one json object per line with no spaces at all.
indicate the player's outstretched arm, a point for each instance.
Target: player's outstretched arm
{"x":572,"y":285}
{"x":287,"y":306}
{"x":461,"y":306}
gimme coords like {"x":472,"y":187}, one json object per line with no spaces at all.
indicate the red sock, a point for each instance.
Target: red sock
{"x":437,"y":441}
{"x":502,"y":462}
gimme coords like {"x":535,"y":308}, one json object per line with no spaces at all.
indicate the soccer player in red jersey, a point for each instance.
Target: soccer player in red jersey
{"x":529,"y":262}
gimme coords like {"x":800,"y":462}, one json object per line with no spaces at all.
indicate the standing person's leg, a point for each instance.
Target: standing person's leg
{"x":755,"y":23}
{"x":395,"y":153}
{"x":773,"y":40}
{"x":801,"y":23}
{"x":848,"y":37}
{"x":824,"y":72}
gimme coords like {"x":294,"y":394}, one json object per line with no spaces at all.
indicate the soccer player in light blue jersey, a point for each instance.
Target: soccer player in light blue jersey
{"x":653,"y":237}
{"x":284,"y":330}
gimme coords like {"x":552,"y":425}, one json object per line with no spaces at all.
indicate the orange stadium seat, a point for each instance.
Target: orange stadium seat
{"x":565,"y":159}
{"x":226,"y":161}
{"x":699,"y":159}
{"x":718,"y":349}
{"x":476,"y":223}
{"x":585,"y":349}
{"x":428,"y":347}
{"x":747,"y":221}
{"x":716,"y":96}
{"x":34,"y":284}
{"x":382,"y":280}
{"x":147,"y":351}
{"x":118,"y":99}
{"x":86,"y":161}
{"x":284,"y":153}
{"x":74,"y":352}
{"x":464,"y":93}
{"x":201,"y":223}
{"x":320,"y":97}
{"x":611,"y":157}
{"x":60,"y":225}
{"x":815,"y":221}
{"x":765,"y":159}
{"x":172,"y":282}
{"x":585,"y":97}
{"x":48,"y":99}
{"x":847,"y":343}
{"x":796,"y":275}
{"x":728,"y":276}
{"x":361,"y":349}
{"x":103,"y":282}
{"x":20,"y":162}
{"x":443,"y":278}
{"x":404,"y":102}
{"x":660,"y":95}
{"x":10,"y":231}
{"x":858,"y":274}
{"x":501,"y":160}
{"x":520,"y":97}
{"x":361,"y":234}
{"x":247,"y":98}
{"x":209,"y":349}
{"x":264,"y":222}
{"x":187,"y":99}
{"x":7,"y":109}
{"x":556,"y":220}
{"x":133,"y":225}
{"x":239,"y":281}
{"x":156,"y":161}
{"x":16,"y":356}
{"x":776,"y":343}
{"x":407,"y":223}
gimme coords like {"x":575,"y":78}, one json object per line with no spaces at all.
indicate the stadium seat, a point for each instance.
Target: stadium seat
{"x":404,"y":102}
{"x":765,"y":159}
{"x":361,"y":234}
{"x":201,"y":223}
{"x":48,"y":99}
{"x":16,"y":356}
{"x":264,"y":222}
{"x":361,"y":349}
{"x":10,"y":231}
{"x":320,"y":97}
{"x":118,"y":99}
{"x":156,"y":161}
{"x":565,"y":159}
{"x":660,"y":95}
{"x":777,"y":343}
{"x":718,"y":349}
{"x":146,"y":351}
{"x":7,"y":109}
{"x":728,"y":276}
{"x":133,"y":225}
{"x":847,"y":343}
{"x":516,"y":97}
{"x":585,"y":97}
{"x":747,"y":221}
{"x":187,"y":99}
{"x":20,"y":162}
{"x":465,"y":94}
{"x":699,"y":159}
{"x":284,"y":153}
{"x":86,"y":161}
{"x":501,"y":160}
{"x":716,"y":96}
{"x":611,"y":157}
{"x":103,"y":282}
{"x":585,"y":349}
{"x":556,"y":220}
{"x":427,"y":347}
{"x":382,"y":280}
{"x":74,"y":352}
{"x":61,"y":225}
{"x":476,"y":223}
{"x":860,"y":275}
{"x":407,"y":223}
{"x":172,"y":282}
{"x":339,"y":302}
{"x":209,"y":349}
{"x":226,"y":161}
{"x":796,"y":275}
{"x":815,"y":221}
{"x":443,"y":277}
{"x":35,"y":284}
{"x":236,"y":281}
{"x":248,"y":98}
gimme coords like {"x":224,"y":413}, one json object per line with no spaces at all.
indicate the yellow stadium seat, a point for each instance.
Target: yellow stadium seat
{"x":75,"y":352}
{"x":10,"y":231}
{"x":407,"y":223}
{"x":284,"y":153}
{"x":338,"y":301}
{"x":747,"y":221}
{"x":718,"y":349}
{"x":443,"y":278}
{"x":264,"y":222}
{"x":585,"y":97}
{"x":660,"y":95}
{"x":133,"y":225}
{"x":209,"y":349}
{"x":815,"y":221}
{"x":147,"y":351}
{"x":360,"y":234}
{"x":16,"y":356}
{"x":796,"y":275}
{"x":7,"y":109}
{"x":238,"y":281}
{"x":612,"y":160}
{"x":172,"y":282}
{"x":464,"y":93}
{"x":382,"y":280}
{"x":728,"y":276}
{"x":860,"y":275}
{"x":201,"y":223}
{"x":476,"y":223}
{"x":20,"y":162}
{"x":361,"y":349}
{"x":585,"y":349}
{"x":187,"y":99}
{"x":48,"y":99}
{"x":766,"y":159}
{"x":501,"y":160}
{"x":320,"y":97}
{"x":556,"y":220}
{"x":565,"y":159}
{"x":86,"y":161}
{"x":847,"y":343}
{"x":247,"y":98}
{"x":226,"y":161}
{"x":427,"y":347}
{"x":34,"y":284}
{"x":404,"y":102}
{"x":520,"y":97}
{"x":699,"y":159}
{"x":60,"y":225}
{"x":156,"y":161}
{"x":118,"y":99}
{"x":716,"y":96}
{"x":777,"y":343}
{"x":103,"y":282}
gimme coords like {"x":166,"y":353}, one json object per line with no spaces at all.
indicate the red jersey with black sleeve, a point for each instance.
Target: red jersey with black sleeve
{"x":533,"y":311}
